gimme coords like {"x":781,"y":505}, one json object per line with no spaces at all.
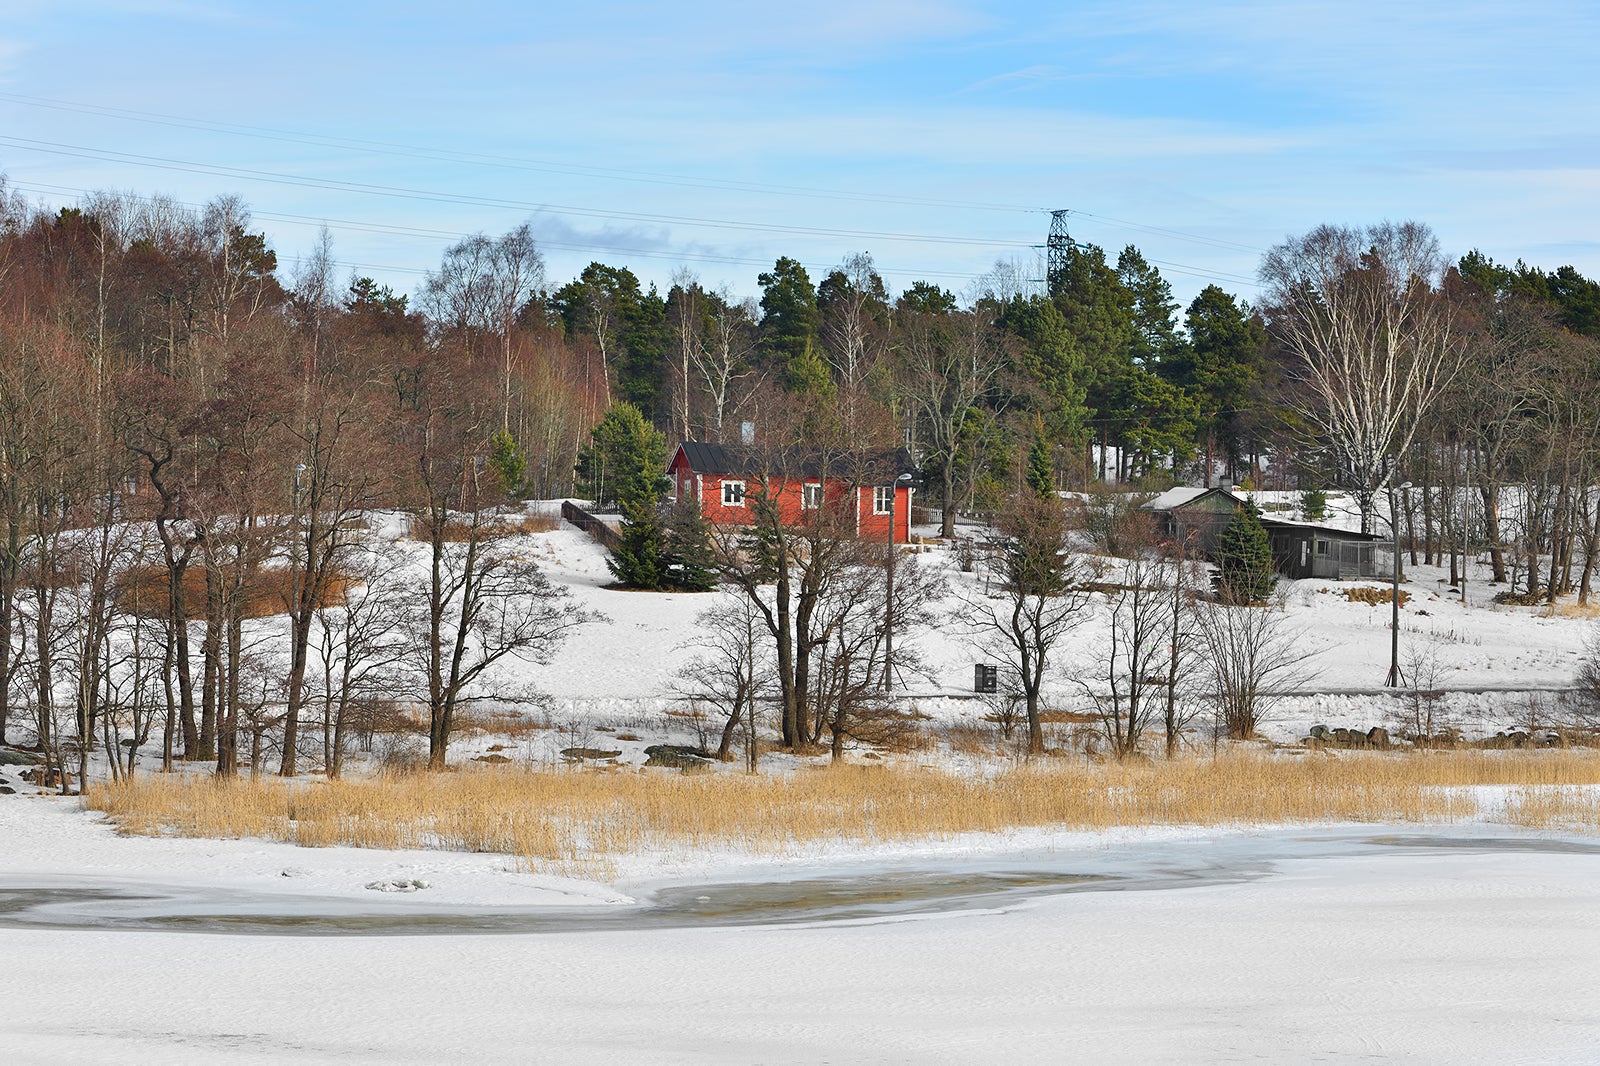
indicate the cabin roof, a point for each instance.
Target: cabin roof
{"x":743,"y":461}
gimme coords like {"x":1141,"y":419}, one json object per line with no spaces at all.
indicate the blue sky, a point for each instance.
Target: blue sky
{"x":718,"y":136}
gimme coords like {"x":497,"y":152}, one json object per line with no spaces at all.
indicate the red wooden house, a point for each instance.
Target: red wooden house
{"x":724,"y":478}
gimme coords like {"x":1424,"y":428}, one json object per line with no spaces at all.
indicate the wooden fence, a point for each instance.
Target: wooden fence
{"x":602,"y":534}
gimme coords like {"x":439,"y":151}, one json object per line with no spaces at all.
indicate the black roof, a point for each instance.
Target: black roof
{"x":724,"y":459}
{"x":1334,"y":532}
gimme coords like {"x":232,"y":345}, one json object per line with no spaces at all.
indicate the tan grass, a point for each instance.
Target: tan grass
{"x":1555,"y":807}
{"x":457,"y":529}
{"x":577,"y":822}
{"x":142,"y":590}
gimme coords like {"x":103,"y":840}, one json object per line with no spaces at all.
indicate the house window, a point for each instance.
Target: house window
{"x":882,"y":499}
{"x":811,"y":496}
{"x":733,"y":494}
{"x":1322,"y":549}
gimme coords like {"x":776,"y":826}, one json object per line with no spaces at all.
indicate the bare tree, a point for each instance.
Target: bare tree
{"x":732,"y":670}
{"x":478,"y":291}
{"x":1134,"y":667}
{"x":849,"y":701}
{"x":1036,"y":598}
{"x":362,"y":640}
{"x":1253,"y":658}
{"x":948,"y":362}
{"x":1377,"y":341}
{"x":484,"y":600}
{"x":724,"y":356}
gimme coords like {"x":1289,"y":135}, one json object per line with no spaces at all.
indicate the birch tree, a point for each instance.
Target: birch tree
{"x":1376,"y":341}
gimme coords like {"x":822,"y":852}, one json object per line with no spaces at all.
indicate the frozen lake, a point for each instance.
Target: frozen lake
{"x":1356,"y":944}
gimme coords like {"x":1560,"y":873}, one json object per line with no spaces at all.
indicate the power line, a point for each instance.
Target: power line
{"x":400,"y":192}
{"x":498,"y":161}
{"x":581,"y":170}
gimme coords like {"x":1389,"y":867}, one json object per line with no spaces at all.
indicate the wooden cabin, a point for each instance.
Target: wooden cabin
{"x":724,"y":479}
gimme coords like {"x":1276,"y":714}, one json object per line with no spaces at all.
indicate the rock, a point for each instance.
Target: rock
{"x":1319,"y":732}
{"x":491,"y":758}
{"x":596,"y":754}
{"x":1378,"y":737}
{"x":1518,"y":739}
{"x":7,"y":790}
{"x":398,"y":884}
{"x":11,"y":757}
{"x":677,"y":757}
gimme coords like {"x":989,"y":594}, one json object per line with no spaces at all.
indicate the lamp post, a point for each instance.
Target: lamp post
{"x":1393,"y":680}
{"x":888,"y":600}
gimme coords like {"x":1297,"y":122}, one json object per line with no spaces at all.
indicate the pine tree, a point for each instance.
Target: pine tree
{"x":1244,"y":559}
{"x":507,"y":461}
{"x":622,"y":449}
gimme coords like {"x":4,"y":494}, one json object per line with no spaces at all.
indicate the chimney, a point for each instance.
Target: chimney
{"x":747,"y":433}
{"x":1225,"y":484}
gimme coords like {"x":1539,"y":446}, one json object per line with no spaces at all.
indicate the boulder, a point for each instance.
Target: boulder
{"x":1378,"y":737}
{"x":678,"y":757}
{"x":1319,"y":732}
{"x":596,"y":754}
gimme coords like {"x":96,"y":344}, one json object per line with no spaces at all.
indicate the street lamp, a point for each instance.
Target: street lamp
{"x":888,"y":600}
{"x":1393,"y":681}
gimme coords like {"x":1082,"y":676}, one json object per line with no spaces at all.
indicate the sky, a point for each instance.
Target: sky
{"x":936,"y":135}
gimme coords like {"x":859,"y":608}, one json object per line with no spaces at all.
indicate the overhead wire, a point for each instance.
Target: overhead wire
{"x":509,"y":162}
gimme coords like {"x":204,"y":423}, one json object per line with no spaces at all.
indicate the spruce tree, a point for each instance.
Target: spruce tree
{"x":637,"y":557}
{"x":1041,"y":472}
{"x":1244,"y":559}
{"x":689,"y":562}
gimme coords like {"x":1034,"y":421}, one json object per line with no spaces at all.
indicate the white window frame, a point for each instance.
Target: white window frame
{"x":726,"y":493}
{"x":811,"y":495}
{"x":882,"y":495}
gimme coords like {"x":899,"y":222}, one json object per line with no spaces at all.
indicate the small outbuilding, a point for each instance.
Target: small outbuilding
{"x":1304,"y":549}
{"x":1299,"y":549}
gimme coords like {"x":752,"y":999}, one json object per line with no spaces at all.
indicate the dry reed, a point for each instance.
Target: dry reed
{"x":142,"y":590}
{"x":578,"y":821}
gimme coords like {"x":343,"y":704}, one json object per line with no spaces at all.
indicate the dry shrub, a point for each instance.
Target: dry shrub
{"x":505,"y":723}
{"x":537,"y":523}
{"x":1061,"y":717}
{"x":570,"y":821}
{"x":1375,"y":597}
{"x":142,"y":590}
{"x":457,"y":530}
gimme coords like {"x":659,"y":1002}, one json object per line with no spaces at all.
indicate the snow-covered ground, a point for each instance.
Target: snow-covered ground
{"x":1466,"y":944}
{"x":1458,"y":944}
{"x":1496,"y":658}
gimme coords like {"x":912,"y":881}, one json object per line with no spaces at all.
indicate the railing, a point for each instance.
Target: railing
{"x":601,"y":533}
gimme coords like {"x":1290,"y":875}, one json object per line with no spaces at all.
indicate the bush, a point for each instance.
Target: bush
{"x":1244,"y":559}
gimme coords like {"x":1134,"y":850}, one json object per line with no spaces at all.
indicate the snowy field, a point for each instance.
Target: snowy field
{"x":1342,"y":944}
{"x":1468,"y":943}
{"x":1501,"y":665}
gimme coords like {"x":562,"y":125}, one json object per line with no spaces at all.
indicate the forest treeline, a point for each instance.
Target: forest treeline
{"x":156,"y":363}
